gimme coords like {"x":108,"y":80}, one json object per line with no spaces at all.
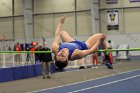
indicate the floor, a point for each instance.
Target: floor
{"x":70,"y":77}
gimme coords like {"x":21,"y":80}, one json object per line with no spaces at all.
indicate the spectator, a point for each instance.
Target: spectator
{"x":110,"y":45}
{"x":17,"y":48}
{"x":110,"y":53}
{"x":32,"y":49}
{"x":94,"y":59}
{"x":46,"y":59}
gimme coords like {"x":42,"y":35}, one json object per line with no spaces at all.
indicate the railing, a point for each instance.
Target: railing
{"x":12,"y":59}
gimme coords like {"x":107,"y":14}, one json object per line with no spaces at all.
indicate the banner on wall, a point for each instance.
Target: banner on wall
{"x":131,"y":1}
{"x":111,"y":1}
{"x":113,"y":20}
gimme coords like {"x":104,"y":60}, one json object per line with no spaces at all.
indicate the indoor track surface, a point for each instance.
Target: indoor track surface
{"x":127,"y":82}
{"x":124,"y":78}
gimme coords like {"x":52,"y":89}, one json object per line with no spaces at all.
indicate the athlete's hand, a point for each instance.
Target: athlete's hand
{"x":62,"y":19}
{"x":103,"y":37}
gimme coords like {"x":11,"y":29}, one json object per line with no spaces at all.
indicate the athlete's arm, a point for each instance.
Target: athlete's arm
{"x":92,"y":49}
{"x":55,"y":43}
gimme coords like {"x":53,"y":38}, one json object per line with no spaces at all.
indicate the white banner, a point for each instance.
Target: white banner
{"x":113,"y":20}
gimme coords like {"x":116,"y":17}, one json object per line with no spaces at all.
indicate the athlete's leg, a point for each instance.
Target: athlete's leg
{"x":93,"y":39}
{"x":66,"y":37}
{"x":104,"y":45}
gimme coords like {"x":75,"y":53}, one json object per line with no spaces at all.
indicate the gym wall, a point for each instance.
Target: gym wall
{"x":46,"y":14}
{"x":78,"y":17}
{"x":129,"y":16}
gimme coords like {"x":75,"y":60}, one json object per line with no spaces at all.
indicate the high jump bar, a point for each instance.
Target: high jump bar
{"x":113,"y":50}
{"x":109,"y":50}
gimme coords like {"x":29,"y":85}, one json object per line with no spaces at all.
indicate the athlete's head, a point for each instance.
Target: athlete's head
{"x":61,"y":65}
{"x":61,"y":59}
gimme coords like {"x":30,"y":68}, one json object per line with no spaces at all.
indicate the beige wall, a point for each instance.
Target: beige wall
{"x":6,"y":22}
{"x":43,"y":6}
{"x":126,"y":3}
{"x":132,"y":20}
{"x":58,"y":8}
{"x":43,"y":26}
{"x":84,"y":26}
{"x":63,"y":5}
{"x":46,"y":16}
{"x":129,"y":16}
{"x":19,"y":27}
{"x":69,"y":24}
{"x":83,"y":4}
{"x":7,"y":18}
{"x":6,"y":27}
{"x":6,"y":8}
{"x":18,"y":6}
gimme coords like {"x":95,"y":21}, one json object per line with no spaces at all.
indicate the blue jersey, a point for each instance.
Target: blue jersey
{"x":71,"y":46}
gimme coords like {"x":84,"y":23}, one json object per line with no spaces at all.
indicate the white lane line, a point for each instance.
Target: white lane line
{"x":105,"y":84}
{"x":82,"y":81}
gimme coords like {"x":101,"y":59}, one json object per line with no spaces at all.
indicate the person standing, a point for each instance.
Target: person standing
{"x":45,"y":59}
{"x":110,"y":53}
{"x":94,"y":59}
{"x":17,"y":48}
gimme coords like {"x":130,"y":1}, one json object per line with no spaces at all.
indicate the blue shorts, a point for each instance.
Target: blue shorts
{"x":80,"y":44}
